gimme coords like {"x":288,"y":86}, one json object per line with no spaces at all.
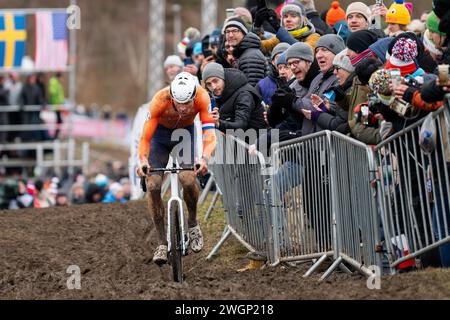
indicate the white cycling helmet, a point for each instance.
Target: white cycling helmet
{"x":183,"y":88}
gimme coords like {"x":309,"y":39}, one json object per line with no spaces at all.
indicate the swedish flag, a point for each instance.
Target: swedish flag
{"x":13,"y":35}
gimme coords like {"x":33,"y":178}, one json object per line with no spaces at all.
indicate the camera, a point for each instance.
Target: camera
{"x":401,"y":107}
{"x":443,"y":71}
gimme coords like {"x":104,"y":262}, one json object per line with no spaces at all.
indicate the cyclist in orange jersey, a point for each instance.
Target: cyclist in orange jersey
{"x":171,"y":114}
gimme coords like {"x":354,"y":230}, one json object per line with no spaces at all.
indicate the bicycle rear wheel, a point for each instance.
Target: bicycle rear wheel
{"x":176,"y":246}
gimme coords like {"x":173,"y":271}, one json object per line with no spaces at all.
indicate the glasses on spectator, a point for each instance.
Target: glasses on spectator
{"x":293,"y":63}
{"x":232,"y":31}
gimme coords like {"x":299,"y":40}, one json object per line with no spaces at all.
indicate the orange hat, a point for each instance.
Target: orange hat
{"x":335,"y":14}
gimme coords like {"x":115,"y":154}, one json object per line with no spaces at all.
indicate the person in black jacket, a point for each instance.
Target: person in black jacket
{"x":238,"y":103}
{"x":246,"y":49}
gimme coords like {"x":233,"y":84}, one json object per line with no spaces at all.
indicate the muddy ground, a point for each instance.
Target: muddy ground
{"x":113,"y":245}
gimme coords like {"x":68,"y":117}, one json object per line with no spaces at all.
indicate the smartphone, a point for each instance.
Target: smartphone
{"x":365,"y":115}
{"x":443,"y":70}
{"x":230,"y":13}
{"x":396,"y":77}
{"x":188,"y":61}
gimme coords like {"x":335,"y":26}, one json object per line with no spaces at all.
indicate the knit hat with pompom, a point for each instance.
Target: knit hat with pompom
{"x":404,"y":54}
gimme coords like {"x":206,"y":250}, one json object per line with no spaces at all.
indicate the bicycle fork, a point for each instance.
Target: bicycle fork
{"x":175,"y":198}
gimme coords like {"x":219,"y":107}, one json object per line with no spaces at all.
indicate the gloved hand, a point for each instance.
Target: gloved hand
{"x":283,"y":98}
{"x":386,"y":129}
{"x":273,"y":19}
{"x":261,"y":16}
{"x":339,"y":92}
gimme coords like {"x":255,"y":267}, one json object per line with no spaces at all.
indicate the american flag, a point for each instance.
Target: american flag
{"x":51,"y":40}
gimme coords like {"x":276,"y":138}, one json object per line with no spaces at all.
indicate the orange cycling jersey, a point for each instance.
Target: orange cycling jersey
{"x":162,"y":112}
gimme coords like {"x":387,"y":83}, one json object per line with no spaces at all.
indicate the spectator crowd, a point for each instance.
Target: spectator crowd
{"x":108,"y":187}
{"x":293,"y":69}
{"x":366,"y":71}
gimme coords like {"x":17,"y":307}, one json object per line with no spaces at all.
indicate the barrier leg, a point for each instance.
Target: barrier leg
{"x":226,"y":233}
{"x":315,"y":266}
{"x":344,"y":268}
{"x":205,"y":191}
{"x":212,"y":205}
{"x":331,"y":269}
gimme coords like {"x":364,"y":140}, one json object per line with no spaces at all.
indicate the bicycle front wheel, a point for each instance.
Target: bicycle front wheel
{"x":176,"y":245}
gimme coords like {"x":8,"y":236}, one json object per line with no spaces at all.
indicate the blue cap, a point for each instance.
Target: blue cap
{"x":214,"y":37}
{"x":281,"y":59}
{"x":197,"y":49}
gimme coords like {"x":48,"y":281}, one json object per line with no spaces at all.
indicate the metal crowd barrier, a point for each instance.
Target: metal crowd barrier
{"x":354,"y":192}
{"x":413,"y":192}
{"x":301,"y":206}
{"x":328,"y":195}
{"x":239,"y":175}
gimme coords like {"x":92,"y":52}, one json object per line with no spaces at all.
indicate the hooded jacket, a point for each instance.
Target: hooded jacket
{"x":268,"y":85}
{"x":251,"y":60}
{"x":240,"y":104}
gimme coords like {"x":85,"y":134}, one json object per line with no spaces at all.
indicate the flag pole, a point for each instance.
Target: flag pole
{"x":72,"y":74}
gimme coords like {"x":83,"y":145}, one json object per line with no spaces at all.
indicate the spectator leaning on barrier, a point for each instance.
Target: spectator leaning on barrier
{"x":267,"y":86}
{"x":281,"y":115}
{"x":327,"y":48}
{"x":238,"y":104}
{"x":404,"y":54}
{"x":346,"y":97}
{"x":246,"y":50}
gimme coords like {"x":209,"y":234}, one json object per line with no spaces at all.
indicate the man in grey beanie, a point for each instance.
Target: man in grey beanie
{"x":326,"y":49}
{"x":299,"y":58}
{"x":238,"y":104}
{"x":279,"y":49}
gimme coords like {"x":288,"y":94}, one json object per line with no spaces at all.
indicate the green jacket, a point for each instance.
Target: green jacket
{"x":55,"y":91}
{"x":358,"y":94}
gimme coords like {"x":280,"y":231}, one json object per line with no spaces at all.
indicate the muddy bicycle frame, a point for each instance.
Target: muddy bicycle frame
{"x":173,"y":168}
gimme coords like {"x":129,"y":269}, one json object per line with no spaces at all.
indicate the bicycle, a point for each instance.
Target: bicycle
{"x":177,"y":239}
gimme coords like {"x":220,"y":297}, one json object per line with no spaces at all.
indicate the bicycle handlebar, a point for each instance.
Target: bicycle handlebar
{"x":171,"y":170}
